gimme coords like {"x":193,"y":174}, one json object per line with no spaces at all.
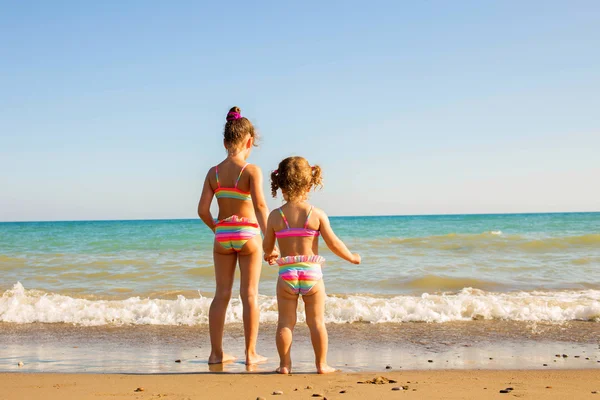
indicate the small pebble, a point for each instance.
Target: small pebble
{"x":545,"y":365}
{"x":260,"y":398}
{"x":178,"y":361}
{"x":317,"y":395}
{"x":396,"y":388}
{"x":277,"y":392}
{"x":509,"y":389}
{"x":429,"y":360}
{"x":491,"y":358}
{"x":342,"y":391}
{"x":576,"y":356}
{"x":587,"y":358}
{"x":309,"y":387}
{"x":565,"y":356}
{"x":557,"y":355}
{"x":140,"y":389}
{"x":594,"y":392}
{"x":388,"y":367}
{"x":20,"y":364}
{"x":505,"y":391}
{"x":548,"y":387}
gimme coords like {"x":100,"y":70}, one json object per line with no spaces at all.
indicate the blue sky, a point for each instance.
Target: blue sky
{"x":115,"y":110}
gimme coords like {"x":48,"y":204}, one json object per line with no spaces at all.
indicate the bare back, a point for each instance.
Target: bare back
{"x":296,"y":215}
{"x":227,"y":177}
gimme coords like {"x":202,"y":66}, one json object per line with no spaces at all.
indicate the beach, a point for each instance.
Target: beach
{"x":467,"y":384}
{"x":448,"y":306}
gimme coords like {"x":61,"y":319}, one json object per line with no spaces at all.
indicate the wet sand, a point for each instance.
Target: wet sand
{"x":458,"y":360}
{"x":464,"y":384}
{"x":497,"y":345}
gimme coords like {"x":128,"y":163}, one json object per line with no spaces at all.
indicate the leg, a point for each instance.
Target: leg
{"x":314,"y":302}
{"x":287,"y":303}
{"x":250,"y":258}
{"x":225,"y":261}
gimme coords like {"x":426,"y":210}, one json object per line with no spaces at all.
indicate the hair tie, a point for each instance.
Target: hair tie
{"x":233,"y":115}
{"x":313,"y":167}
{"x":276,"y":171}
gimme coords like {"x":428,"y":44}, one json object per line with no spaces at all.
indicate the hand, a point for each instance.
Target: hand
{"x":355,"y":258}
{"x":271,"y":258}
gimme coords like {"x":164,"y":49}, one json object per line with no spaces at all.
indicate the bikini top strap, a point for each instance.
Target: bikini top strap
{"x":284,"y":218}
{"x":308,"y":216}
{"x":217,"y":175}
{"x":240,"y":175}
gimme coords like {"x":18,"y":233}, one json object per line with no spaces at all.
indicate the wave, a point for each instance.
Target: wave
{"x":496,"y":240}
{"x":18,"y":305}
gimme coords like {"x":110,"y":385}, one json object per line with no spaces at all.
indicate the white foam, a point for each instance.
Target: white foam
{"x":19,"y":305}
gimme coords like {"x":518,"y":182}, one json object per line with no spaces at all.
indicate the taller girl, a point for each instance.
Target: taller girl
{"x":237,"y":186}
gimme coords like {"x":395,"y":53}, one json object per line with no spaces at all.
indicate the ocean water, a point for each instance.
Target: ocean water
{"x":464,"y":291}
{"x":518,"y":267}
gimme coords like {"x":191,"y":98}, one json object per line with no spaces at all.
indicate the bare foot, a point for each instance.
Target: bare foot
{"x":325,"y":369}
{"x":283,"y":370}
{"x":216,"y":367}
{"x":224,"y":358}
{"x":255,"y":359}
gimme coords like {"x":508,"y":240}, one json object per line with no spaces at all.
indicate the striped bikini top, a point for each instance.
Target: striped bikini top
{"x":231,"y":193}
{"x":296,"y":232}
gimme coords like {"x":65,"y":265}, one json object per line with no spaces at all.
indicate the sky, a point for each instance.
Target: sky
{"x":115,"y":110}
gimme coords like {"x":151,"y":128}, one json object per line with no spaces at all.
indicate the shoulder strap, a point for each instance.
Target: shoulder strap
{"x":217,"y":175}
{"x":284,"y":218}
{"x":308,"y":217}
{"x":240,"y":175}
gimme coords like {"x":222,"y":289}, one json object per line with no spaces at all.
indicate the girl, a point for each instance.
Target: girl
{"x":237,"y":186}
{"x":297,"y":226}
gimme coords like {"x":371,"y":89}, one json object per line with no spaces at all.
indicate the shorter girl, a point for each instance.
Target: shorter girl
{"x":297,"y":226}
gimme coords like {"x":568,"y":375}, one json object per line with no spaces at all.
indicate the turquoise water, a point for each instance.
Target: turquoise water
{"x":430,"y":267}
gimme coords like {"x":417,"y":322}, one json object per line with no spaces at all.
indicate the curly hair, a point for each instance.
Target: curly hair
{"x":295,"y":177}
{"x":237,"y":128}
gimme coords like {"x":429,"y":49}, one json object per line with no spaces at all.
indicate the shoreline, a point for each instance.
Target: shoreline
{"x":485,"y":345}
{"x":464,"y":384}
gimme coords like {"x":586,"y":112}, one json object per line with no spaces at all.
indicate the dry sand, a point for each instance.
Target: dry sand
{"x":440,"y":384}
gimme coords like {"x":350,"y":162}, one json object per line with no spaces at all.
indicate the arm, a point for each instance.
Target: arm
{"x":334,"y":243}
{"x":269,"y":242}
{"x":258,"y":197}
{"x":204,"y":204}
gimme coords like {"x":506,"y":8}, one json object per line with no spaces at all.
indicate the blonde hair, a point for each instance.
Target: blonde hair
{"x":295,"y":176}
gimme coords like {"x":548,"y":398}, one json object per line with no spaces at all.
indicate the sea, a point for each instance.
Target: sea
{"x":458,"y":291}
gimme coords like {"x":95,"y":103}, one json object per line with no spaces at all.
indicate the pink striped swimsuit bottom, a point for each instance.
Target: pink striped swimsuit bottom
{"x":301,"y":273}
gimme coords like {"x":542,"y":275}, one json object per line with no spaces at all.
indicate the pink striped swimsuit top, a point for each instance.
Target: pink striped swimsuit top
{"x":296,"y":232}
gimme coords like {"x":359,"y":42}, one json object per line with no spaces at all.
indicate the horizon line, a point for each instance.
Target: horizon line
{"x":331,"y":216}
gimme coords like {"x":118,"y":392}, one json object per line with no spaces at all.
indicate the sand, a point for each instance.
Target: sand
{"x":436,"y":384}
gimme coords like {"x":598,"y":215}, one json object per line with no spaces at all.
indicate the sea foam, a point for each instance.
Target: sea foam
{"x":19,"y":305}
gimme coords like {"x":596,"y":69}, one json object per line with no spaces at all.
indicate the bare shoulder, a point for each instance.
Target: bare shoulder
{"x":273,"y":215}
{"x":319,"y":213}
{"x":253,"y":169}
{"x":211,"y":174}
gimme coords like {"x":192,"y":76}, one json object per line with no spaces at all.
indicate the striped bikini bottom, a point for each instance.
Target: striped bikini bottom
{"x":301,"y":273}
{"x":233,"y":232}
